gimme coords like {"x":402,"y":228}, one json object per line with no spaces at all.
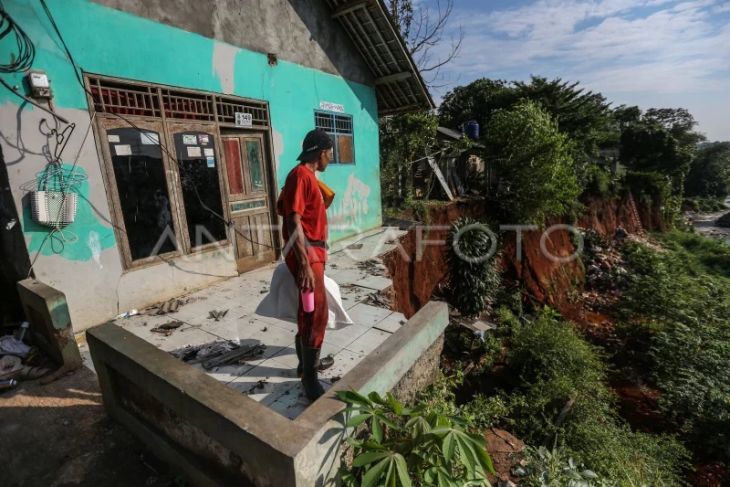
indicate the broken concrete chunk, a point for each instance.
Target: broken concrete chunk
{"x":167,"y":328}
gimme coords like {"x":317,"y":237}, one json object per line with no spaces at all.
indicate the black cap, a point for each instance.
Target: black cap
{"x":316,"y":140}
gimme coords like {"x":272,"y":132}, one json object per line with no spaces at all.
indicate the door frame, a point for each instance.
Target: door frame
{"x":270,"y":181}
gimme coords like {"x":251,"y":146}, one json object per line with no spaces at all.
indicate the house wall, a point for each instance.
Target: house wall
{"x":84,"y":262}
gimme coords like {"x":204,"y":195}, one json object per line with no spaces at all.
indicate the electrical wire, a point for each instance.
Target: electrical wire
{"x":22,"y":60}
{"x":26,"y":50}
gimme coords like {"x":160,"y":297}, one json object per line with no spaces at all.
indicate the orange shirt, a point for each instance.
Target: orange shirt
{"x":301,"y":195}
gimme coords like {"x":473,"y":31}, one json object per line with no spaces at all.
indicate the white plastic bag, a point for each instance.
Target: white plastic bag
{"x":282,"y":302}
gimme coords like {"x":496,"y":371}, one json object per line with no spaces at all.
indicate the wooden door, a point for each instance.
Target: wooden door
{"x":249,"y":199}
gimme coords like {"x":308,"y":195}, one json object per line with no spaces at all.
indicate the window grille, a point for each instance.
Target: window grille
{"x":151,"y":100}
{"x":339,"y":127}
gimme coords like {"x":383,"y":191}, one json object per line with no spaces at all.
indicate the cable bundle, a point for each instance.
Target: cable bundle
{"x":25,"y":49}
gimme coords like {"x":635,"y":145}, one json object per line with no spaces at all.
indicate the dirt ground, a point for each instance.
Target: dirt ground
{"x":59,"y":435}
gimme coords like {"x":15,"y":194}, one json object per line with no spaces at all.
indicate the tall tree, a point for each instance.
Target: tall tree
{"x":424,"y":29}
{"x":709,"y":173}
{"x":664,"y":141}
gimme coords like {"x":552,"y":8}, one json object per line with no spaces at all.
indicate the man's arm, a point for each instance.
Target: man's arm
{"x":305,"y":279}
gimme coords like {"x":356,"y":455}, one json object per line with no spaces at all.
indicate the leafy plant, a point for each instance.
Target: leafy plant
{"x":679,"y":300}
{"x":410,"y":446}
{"x":536,"y":170}
{"x":555,"y":468}
{"x":561,"y":395}
{"x":473,"y":273}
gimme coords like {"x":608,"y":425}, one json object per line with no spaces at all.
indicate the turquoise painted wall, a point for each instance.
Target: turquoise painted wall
{"x":109,"y":42}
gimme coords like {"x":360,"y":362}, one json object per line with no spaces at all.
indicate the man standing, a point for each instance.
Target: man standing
{"x":305,"y":235}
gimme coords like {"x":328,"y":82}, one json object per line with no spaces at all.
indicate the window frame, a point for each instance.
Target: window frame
{"x":104,"y":124}
{"x":334,"y":132}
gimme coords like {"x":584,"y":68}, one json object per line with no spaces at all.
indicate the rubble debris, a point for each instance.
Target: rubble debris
{"x":167,"y":328}
{"x":198,"y":353}
{"x":236,"y":356}
{"x":381,"y":299}
{"x":372,"y":267}
{"x":266,"y":328}
{"x":334,"y":379}
{"x":9,"y":366}
{"x":354,"y":246}
{"x":259,"y":385}
{"x":9,"y":345}
{"x":216,"y":314}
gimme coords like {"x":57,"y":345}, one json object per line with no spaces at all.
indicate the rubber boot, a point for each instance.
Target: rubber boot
{"x":310,"y":358}
{"x":298,"y":346}
{"x":322,"y":364}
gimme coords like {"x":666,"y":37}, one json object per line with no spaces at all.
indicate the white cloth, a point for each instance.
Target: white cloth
{"x":282,"y":302}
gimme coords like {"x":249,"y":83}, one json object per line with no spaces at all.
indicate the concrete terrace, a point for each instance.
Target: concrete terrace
{"x":271,"y":377}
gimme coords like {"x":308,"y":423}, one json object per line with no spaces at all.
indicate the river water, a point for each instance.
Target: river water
{"x":704,"y":223}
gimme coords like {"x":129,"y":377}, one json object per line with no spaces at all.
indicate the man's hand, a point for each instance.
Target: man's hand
{"x":306,"y":277}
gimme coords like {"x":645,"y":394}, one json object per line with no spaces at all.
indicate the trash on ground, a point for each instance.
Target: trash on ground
{"x":9,"y":366}
{"x":237,"y":356}
{"x":198,"y":353}
{"x":9,"y":345}
{"x":167,"y":328}
{"x":127,"y":314}
{"x":355,"y":246}
{"x":216,"y":314}
{"x":169,"y":306}
{"x":8,"y":384}
{"x":334,"y":379}
{"x":381,"y":299}
{"x":259,"y":385}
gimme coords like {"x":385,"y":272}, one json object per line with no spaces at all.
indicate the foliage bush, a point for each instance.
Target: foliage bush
{"x":555,"y":468}
{"x":473,"y":272}
{"x":411,"y":446}
{"x":679,"y":303}
{"x":699,"y":204}
{"x":654,"y":190}
{"x":536,"y":172}
{"x":561,"y":396}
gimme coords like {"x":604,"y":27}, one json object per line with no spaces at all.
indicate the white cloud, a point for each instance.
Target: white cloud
{"x":612,"y":46}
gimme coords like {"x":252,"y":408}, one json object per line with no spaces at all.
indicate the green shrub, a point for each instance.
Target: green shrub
{"x":679,"y":303}
{"x":473,"y":273}
{"x":536,"y":171}
{"x":599,"y":181}
{"x":561,"y":395}
{"x":654,"y":190}
{"x":407,"y":446}
{"x":555,"y":468}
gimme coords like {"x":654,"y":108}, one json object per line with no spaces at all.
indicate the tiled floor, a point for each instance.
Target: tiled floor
{"x":271,"y":377}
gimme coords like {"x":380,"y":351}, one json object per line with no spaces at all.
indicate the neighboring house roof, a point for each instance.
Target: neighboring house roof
{"x":398,"y":82}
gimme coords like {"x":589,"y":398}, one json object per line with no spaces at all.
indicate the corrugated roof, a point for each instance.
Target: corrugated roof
{"x":398,"y":83}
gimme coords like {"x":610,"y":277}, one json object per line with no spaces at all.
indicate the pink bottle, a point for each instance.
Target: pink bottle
{"x":308,"y":300}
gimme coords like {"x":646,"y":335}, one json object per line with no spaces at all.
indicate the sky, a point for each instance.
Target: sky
{"x":650,"y":53}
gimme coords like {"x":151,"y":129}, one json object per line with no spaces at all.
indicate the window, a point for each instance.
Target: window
{"x":143,"y":193}
{"x":201,"y":192}
{"x":340,"y":129}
